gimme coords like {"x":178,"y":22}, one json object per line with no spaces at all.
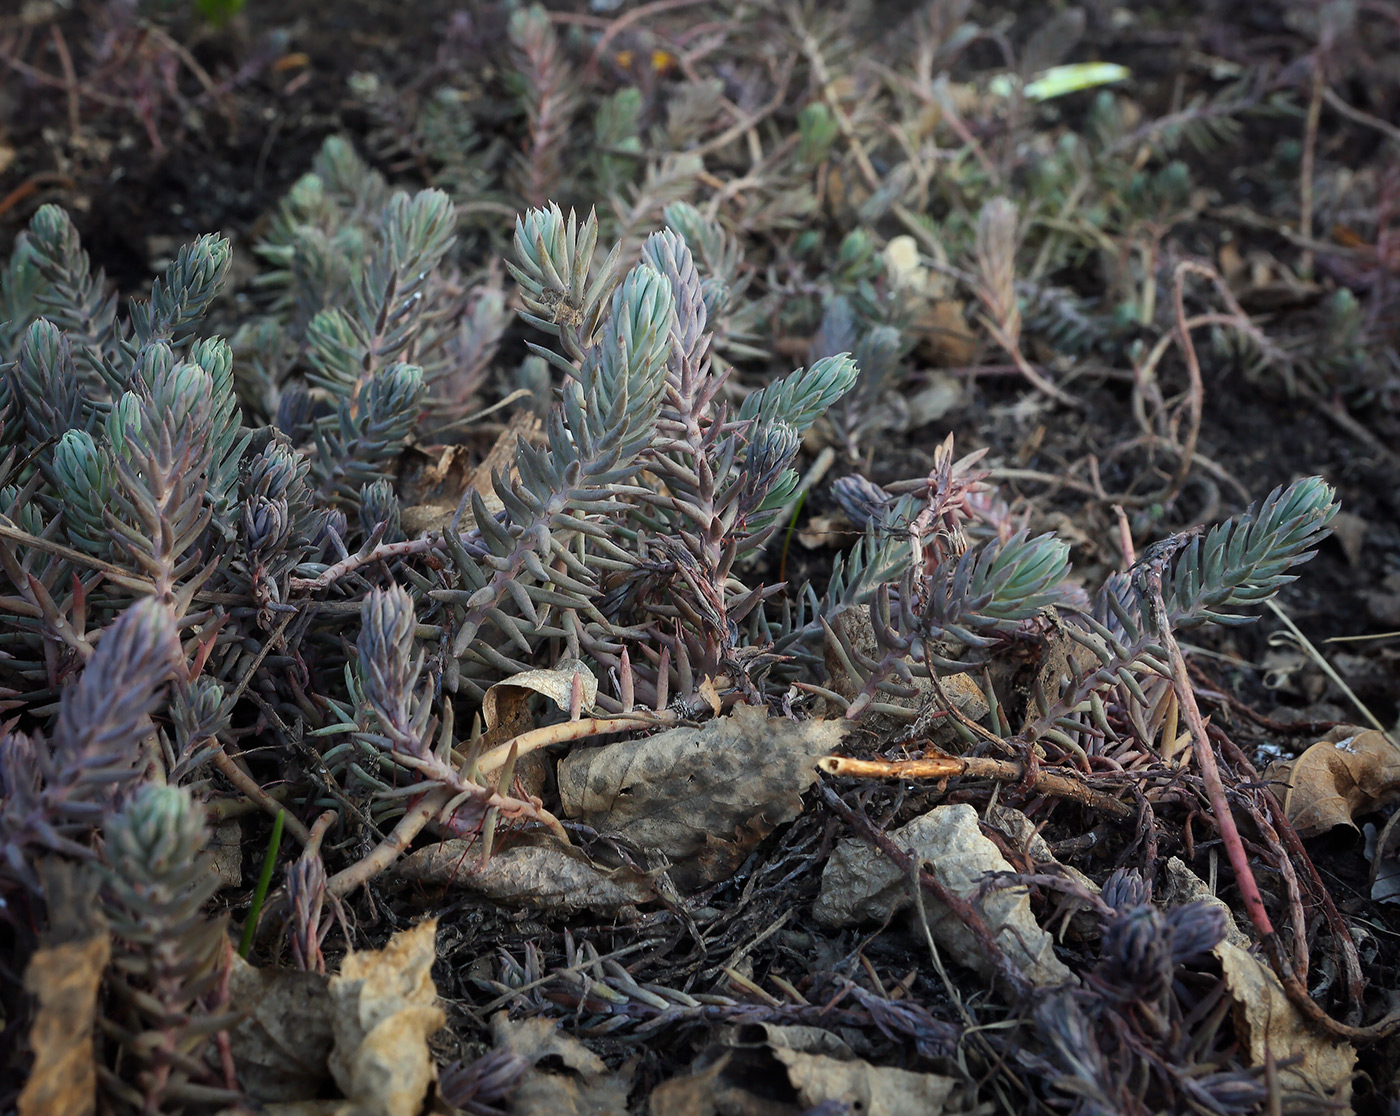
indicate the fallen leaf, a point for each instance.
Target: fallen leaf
{"x":586,"y":1087}
{"x":540,"y":875}
{"x":1271,"y":1027}
{"x":1183,"y":886}
{"x":945,"y":339}
{"x":695,"y":1094}
{"x":854,"y":626}
{"x":226,"y":852}
{"x":64,"y":980}
{"x":505,"y":701}
{"x":860,"y":884}
{"x":433,"y":487}
{"x":1349,"y":772}
{"x":383,"y":1010}
{"x":940,"y":395}
{"x":870,"y":1090}
{"x":1350,"y":530}
{"x":703,"y":797}
{"x":743,"y":1071}
{"x":283,"y":1041}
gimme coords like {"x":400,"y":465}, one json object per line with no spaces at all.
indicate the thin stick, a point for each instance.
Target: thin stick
{"x":319,"y":828}
{"x":1205,"y":752}
{"x":1305,"y":173}
{"x":31,"y":186}
{"x":1195,"y":396}
{"x":1387,"y":129}
{"x":70,"y":80}
{"x":249,"y":788}
{"x":581,"y":729}
{"x":964,"y":911}
{"x":353,"y":562}
{"x":116,"y":574}
{"x":1013,"y":349}
{"x":976,"y":767}
{"x":395,"y":844}
{"x":1327,"y":669}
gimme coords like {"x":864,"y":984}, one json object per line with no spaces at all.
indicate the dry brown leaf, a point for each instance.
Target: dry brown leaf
{"x":740,"y":1069}
{"x":1350,"y":771}
{"x":586,"y":1087}
{"x":964,"y":692}
{"x":1183,"y":886}
{"x":940,"y":394}
{"x":945,"y":338}
{"x":539,"y":875}
{"x":226,"y":851}
{"x":826,"y":531}
{"x":695,"y":1094}
{"x":505,"y":701}
{"x":383,"y":1010}
{"x":1272,"y":1027}
{"x":283,"y":1040}
{"x":702,"y":797}
{"x":64,"y":980}
{"x":870,"y":1090}
{"x":433,"y":491}
{"x":861,"y":884}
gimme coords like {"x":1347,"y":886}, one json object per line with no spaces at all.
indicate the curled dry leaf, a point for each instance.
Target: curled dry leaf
{"x":1266,"y":1021}
{"x":542,"y":875}
{"x":1349,"y":772}
{"x":585,"y":1087}
{"x":505,"y":702}
{"x":860,"y":884}
{"x":737,"y":1073}
{"x":383,"y":1010}
{"x":696,"y":1094}
{"x":702,"y":797}
{"x":1182,"y":886}
{"x":283,"y":1040}
{"x":872,"y":1090}
{"x":433,"y":494}
{"x":1271,"y":1027}
{"x":962,"y":690}
{"x":63,"y":980}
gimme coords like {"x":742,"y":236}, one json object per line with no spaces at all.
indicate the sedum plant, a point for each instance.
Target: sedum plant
{"x":214,"y":587}
{"x":171,"y":958}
